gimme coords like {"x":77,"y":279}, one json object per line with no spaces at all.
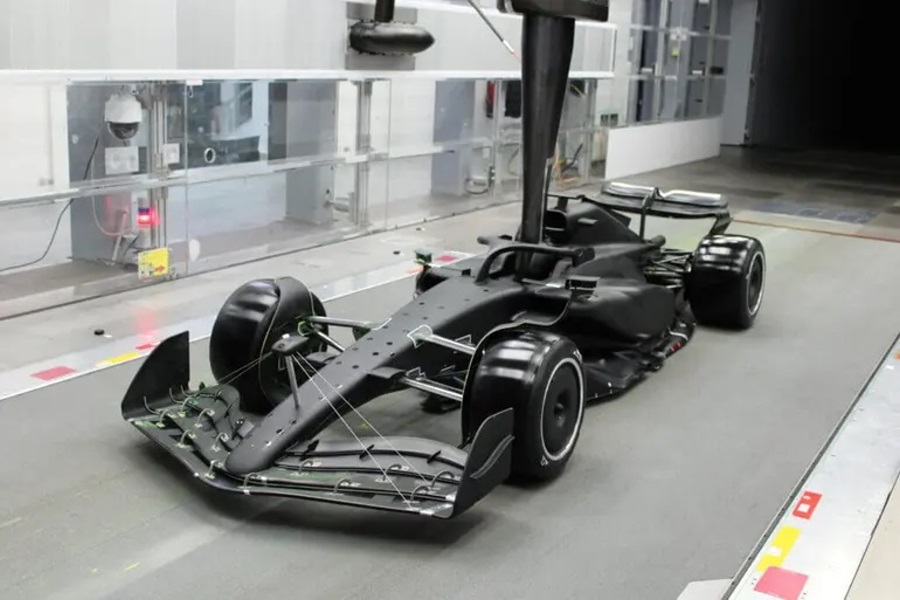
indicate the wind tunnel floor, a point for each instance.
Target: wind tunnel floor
{"x":672,"y":483}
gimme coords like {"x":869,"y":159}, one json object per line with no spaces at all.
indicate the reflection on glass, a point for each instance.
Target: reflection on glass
{"x":213,"y":173}
{"x":234,"y":220}
{"x":83,"y":247}
{"x":672,"y":43}
{"x":233,"y":122}
{"x":225,"y":123}
{"x":110,"y":127}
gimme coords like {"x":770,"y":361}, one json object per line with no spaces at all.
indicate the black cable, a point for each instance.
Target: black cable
{"x":68,"y":205}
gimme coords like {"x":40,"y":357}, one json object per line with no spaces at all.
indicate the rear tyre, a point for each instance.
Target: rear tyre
{"x":726,"y":282}
{"x":540,"y":376}
{"x":253,"y":318}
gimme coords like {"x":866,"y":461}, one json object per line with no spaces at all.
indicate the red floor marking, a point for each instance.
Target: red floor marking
{"x":53,"y":373}
{"x":446,"y":258}
{"x":860,"y":236}
{"x":781,"y":583}
{"x":807,"y":504}
{"x":149,"y":346}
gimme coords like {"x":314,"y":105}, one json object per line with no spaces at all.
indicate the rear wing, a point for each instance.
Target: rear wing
{"x":653,"y":202}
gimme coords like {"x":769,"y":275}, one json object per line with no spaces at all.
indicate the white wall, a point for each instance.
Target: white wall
{"x":33,"y":148}
{"x":738,"y":71}
{"x":236,"y":34}
{"x":33,"y":158}
{"x":642,"y":148}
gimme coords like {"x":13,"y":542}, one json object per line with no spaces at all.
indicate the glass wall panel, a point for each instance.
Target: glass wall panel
{"x":55,"y":252}
{"x":442,"y":145}
{"x":238,"y":219}
{"x":112,"y":185}
{"x":672,"y":42}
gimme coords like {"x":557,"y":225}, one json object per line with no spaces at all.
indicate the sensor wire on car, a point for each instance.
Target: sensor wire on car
{"x":303,"y":363}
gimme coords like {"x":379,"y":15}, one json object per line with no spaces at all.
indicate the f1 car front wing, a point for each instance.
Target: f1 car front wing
{"x":402,"y":474}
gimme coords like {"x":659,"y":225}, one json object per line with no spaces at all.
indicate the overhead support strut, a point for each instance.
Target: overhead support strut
{"x":547,"y":44}
{"x":548,"y":39}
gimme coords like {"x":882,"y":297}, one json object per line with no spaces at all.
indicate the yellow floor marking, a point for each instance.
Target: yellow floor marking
{"x":115,"y":360}
{"x":778,"y":550}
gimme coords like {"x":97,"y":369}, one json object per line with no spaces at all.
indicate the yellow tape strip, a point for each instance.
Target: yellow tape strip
{"x":115,"y":360}
{"x":778,"y":550}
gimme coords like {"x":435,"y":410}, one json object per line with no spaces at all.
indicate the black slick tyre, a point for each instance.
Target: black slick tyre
{"x":726,"y":282}
{"x":251,"y":319}
{"x":541,"y":376}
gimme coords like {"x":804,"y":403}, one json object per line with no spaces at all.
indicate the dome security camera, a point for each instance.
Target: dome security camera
{"x":123,"y":115}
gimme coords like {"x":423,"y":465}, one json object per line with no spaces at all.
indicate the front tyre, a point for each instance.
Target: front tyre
{"x":250,"y":320}
{"x":541,"y":376}
{"x":726,"y":282}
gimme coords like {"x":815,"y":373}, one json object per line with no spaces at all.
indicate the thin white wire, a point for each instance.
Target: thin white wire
{"x":494,"y":29}
{"x":359,"y":441}
{"x":360,"y":415}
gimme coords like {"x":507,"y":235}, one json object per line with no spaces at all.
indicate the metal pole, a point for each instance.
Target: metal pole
{"x":662,"y":54}
{"x":292,"y":377}
{"x":497,"y":133}
{"x":586,"y":160}
{"x":359,"y":208}
{"x":431,"y":387}
{"x":710,"y":54}
{"x":547,"y":47}
{"x":158,"y":166}
{"x":384,"y":11}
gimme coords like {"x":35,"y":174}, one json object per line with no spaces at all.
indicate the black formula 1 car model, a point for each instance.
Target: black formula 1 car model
{"x":575,"y":307}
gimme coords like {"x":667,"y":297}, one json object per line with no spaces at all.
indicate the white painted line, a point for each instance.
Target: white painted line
{"x":851,"y":481}
{"x":16,"y":382}
{"x":705,"y":590}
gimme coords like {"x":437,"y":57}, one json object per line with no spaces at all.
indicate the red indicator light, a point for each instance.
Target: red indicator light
{"x":147,"y":217}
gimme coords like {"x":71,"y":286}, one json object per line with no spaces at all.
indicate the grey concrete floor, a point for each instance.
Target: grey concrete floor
{"x":859,"y":191}
{"x":672,"y":483}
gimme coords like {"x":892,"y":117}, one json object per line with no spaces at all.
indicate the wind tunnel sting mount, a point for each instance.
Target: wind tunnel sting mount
{"x":382,"y":35}
{"x":548,"y":38}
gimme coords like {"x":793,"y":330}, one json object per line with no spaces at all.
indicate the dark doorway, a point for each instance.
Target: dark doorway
{"x":822,"y":78}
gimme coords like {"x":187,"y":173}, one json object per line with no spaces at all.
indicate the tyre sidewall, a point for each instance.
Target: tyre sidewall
{"x":532,"y":457}
{"x":756,"y":256}
{"x":723,"y":298}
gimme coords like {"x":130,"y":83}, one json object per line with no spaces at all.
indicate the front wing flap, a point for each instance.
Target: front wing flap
{"x":401,"y":474}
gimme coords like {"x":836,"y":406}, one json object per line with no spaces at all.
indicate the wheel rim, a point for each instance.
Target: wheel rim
{"x":755,"y":284}
{"x":563,"y":408}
